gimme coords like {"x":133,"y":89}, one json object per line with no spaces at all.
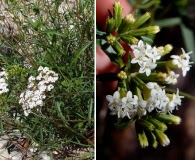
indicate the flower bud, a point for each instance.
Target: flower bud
{"x":158,"y":125}
{"x":129,"y":39}
{"x":145,"y":124}
{"x":142,"y":139}
{"x":127,"y":21}
{"x":110,"y":23}
{"x":141,"y":20}
{"x":152,"y":139}
{"x":118,"y":12}
{"x":118,"y":48}
{"x":162,"y":138}
{"x":110,"y":39}
{"x":167,"y":49}
{"x":122,"y":75}
{"x":122,"y":88}
{"x":145,"y":31}
{"x":160,"y":49}
{"x":161,"y":76}
{"x":169,"y":119}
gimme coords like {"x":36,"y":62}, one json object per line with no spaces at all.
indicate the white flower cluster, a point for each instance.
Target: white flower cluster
{"x":131,"y":105}
{"x":171,"y":78}
{"x":182,"y":61}
{"x":146,"y":56}
{"x":37,"y":87}
{"x":159,"y":100}
{"x":3,"y":84}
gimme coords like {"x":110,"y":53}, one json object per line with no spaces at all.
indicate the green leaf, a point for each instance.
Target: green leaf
{"x":78,"y":54}
{"x":53,"y":32}
{"x":168,"y":22}
{"x":189,"y":40}
{"x":90,"y":108}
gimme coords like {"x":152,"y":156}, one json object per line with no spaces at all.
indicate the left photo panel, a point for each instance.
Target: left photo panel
{"x":46,"y":79}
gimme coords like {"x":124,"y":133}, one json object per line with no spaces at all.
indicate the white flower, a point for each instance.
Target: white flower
{"x":117,"y":110}
{"x":122,"y":107}
{"x":27,"y":111}
{"x":129,"y":112}
{"x":139,"y":58}
{"x":114,"y":100}
{"x":42,"y":88}
{"x":164,"y":100}
{"x":30,"y":85}
{"x":39,"y":102}
{"x":146,"y":56}
{"x":2,"y":80}
{"x":31,"y":78}
{"x":158,"y":99}
{"x":172,"y":78}
{"x":3,"y":84}
{"x":39,"y":77}
{"x":185,"y":67}
{"x":3,"y":73}
{"x":147,"y":66}
{"x":152,"y":102}
{"x":182,"y":61}
{"x":185,"y":55}
{"x":50,"y":87}
{"x":140,"y":47}
{"x":174,"y":102}
{"x":152,"y":53}
{"x":141,"y":109}
{"x":177,"y":98}
{"x":153,"y":86}
{"x":40,"y":68}
{"x":129,"y":101}
{"x":45,"y":69}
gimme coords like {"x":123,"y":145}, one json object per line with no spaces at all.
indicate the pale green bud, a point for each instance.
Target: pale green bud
{"x":141,"y":20}
{"x":168,"y":118}
{"x":122,"y":75}
{"x":122,"y":89}
{"x":161,"y":76}
{"x":110,"y":23}
{"x":142,"y":139}
{"x":152,"y":139}
{"x":145,"y":124}
{"x":129,"y":39}
{"x":118,"y":48}
{"x":126,"y":23}
{"x":162,"y":138}
{"x":160,"y":49}
{"x":167,"y":49}
{"x":143,"y":31}
{"x":110,"y":39}
{"x":158,"y":125}
{"x":118,"y":12}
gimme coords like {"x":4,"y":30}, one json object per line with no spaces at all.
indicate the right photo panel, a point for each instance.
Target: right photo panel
{"x":145,"y":91}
